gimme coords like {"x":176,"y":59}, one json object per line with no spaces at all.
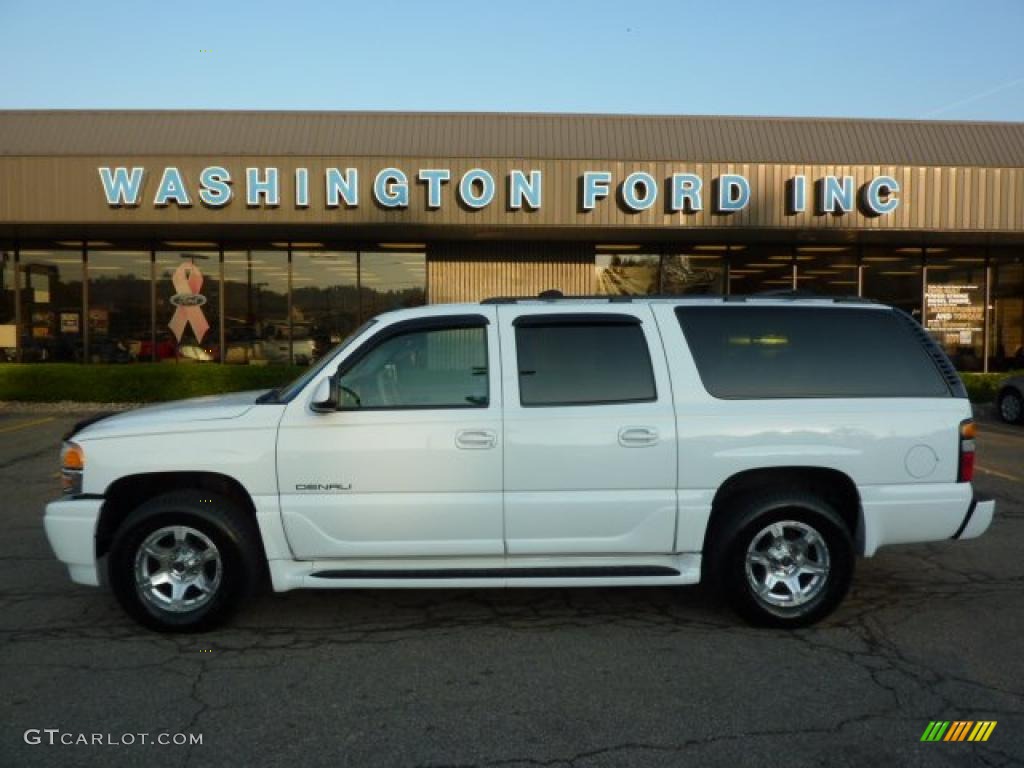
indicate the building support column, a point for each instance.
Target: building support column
{"x":153,"y":358}
{"x":291,"y":346}
{"x":85,"y":304}
{"x":987,"y":321}
{"x":795,"y":283}
{"x":17,"y":303}
{"x":924,"y":288}
{"x":860,"y":271}
{"x":220,"y":304}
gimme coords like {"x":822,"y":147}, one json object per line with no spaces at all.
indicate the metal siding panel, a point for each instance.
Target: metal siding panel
{"x":996,"y":220}
{"x":65,"y":191}
{"x":1013,"y":205}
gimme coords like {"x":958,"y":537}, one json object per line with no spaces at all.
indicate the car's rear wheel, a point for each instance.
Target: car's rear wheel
{"x":183,"y":561}
{"x":1011,"y":406}
{"x":784,"y":560}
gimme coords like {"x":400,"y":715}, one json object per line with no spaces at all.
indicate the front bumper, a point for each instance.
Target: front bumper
{"x":71,"y":528}
{"x":977,"y":520}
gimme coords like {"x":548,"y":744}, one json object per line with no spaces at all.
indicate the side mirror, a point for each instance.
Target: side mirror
{"x":325,"y":398}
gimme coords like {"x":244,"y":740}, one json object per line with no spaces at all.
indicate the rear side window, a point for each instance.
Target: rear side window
{"x":584,"y":361}
{"x":749,"y":352}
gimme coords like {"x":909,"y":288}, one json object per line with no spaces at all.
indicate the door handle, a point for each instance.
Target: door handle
{"x":476,"y":439}
{"x":637,"y":437}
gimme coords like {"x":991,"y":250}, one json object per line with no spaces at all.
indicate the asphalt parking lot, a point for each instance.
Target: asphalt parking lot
{"x":598,"y":677}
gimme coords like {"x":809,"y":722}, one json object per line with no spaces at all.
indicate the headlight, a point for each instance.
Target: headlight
{"x":72,"y":462}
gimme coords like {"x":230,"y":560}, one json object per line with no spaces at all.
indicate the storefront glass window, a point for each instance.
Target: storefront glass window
{"x":8,"y":329}
{"x":119,"y":306}
{"x":187,"y":319}
{"x":827,"y":270}
{"x":760,"y":268}
{"x":693,"y":271}
{"x":51,"y":305}
{"x":392,"y":280}
{"x":626,"y":273}
{"x":325,"y":302}
{"x":893,"y":276}
{"x":1006,"y":310}
{"x":256,"y":306}
{"x":955,"y":304}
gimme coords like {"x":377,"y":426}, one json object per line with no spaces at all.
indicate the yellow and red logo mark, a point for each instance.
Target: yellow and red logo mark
{"x":958,"y":730}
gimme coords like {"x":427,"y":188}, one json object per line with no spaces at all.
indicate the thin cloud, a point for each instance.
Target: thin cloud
{"x":976,"y":97}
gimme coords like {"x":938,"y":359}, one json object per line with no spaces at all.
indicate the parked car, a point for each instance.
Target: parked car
{"x":166,"y":348}
{"x":61,"y":348}
{"x":275,"y":346}
{"x":761,"y":444}
{"x":1010,"y":400}
{"x":104,"y":350}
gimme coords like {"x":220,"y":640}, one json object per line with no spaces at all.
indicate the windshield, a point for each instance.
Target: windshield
{"x":286,"y":392}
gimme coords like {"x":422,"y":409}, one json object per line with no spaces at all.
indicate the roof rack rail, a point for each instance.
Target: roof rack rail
{"x":554,"y":295}
{"x":787,"y":293}
{"x":559,"y":296}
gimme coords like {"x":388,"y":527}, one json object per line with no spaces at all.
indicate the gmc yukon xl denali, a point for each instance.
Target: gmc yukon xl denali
{"x":759,"y":443}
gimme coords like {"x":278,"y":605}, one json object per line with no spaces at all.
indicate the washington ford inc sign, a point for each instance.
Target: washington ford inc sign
{"x":478,"y":188}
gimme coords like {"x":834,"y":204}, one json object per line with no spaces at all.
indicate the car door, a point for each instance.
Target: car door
{"x":410,"y":464}
{"x":590,"y":437}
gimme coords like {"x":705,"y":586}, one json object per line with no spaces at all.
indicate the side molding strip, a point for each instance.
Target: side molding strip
{"x":591,"y":572}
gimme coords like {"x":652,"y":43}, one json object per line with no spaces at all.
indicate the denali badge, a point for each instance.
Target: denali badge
{"x":323,"y":487}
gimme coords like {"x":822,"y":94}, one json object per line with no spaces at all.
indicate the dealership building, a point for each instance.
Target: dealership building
{"x":261,"y":237}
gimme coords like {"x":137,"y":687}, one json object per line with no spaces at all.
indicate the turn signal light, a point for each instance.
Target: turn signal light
{"x":72,"y":462}
{"x":72,"y":457}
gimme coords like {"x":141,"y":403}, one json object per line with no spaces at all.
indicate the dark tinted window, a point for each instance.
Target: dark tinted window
{"x":583,"y":362}
{"x":758,"y":352}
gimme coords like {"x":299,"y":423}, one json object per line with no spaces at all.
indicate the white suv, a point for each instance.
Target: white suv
{"x":760,"y":443}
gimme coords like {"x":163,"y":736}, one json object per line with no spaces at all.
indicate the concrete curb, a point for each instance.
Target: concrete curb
{"x":63,"y":406}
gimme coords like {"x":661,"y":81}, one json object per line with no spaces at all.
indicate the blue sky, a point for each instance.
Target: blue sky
{"x":898,"y":58}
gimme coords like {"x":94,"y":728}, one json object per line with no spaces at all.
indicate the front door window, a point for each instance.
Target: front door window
{"x":436,"y":368}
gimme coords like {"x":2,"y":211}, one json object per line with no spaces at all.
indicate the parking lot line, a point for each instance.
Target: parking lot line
{"x":26,"y":424}
{"x":1003,"y":475}
{"x":1001,"y":429}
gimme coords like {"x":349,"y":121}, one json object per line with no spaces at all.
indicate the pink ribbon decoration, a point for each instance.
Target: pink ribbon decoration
{"x":187,"y":280}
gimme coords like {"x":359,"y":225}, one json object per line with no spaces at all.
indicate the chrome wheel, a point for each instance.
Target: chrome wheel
{"x":1010,"y":407}
{"x":177,"y":569}
{"x":787,"y":564}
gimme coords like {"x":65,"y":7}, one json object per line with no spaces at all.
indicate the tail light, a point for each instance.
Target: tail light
{"x":965,"y":469}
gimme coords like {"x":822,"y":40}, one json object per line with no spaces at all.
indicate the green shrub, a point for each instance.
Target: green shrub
{"x":982,"y":387}
{"x":135,"y":383}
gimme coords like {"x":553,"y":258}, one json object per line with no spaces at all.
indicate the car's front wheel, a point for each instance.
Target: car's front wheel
{"x":784,"y":560}
{"x":183,"y":561}
{"x":1011,"y":406}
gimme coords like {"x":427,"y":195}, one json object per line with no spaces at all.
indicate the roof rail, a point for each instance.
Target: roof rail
{"x":559,"y":296}
{"x":554,"y":295}
{"x":787,"y":293}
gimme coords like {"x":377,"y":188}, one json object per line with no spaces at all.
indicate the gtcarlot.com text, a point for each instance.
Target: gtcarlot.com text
{"x":58,"y":737}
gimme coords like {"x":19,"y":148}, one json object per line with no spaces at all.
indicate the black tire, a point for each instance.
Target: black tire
{"x":1010,"y":406}
{"x":236,"y":570}
{"x":747,"y":519}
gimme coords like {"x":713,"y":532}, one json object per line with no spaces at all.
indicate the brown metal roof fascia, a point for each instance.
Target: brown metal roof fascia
{"x":490,"y":135}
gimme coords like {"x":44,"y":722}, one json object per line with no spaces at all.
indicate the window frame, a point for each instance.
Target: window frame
{"x":582,"y":319}
{"x":418,"y":325}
